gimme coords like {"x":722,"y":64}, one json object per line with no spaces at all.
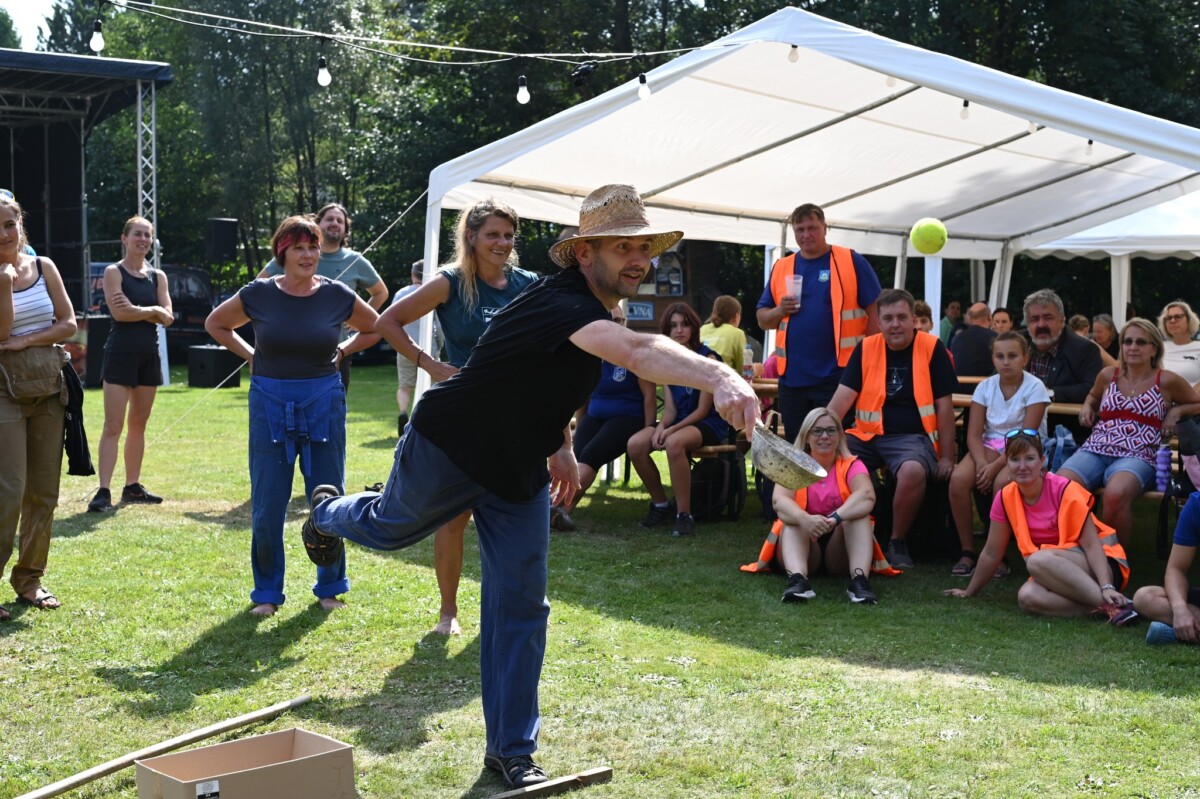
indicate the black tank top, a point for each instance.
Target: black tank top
{"x":139,"y":336}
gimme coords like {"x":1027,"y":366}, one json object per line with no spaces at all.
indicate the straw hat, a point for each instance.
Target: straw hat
{"x":613,"y":211}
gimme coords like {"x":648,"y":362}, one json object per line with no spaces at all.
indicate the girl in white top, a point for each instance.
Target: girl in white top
{"x":1181,"y":355}
{"x":1008,"y":400}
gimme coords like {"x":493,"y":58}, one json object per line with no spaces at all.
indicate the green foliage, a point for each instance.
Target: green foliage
{"x":69,"y":28}
{"x":8,"y":32}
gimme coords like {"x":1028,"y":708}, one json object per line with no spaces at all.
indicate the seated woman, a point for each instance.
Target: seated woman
{"x":1010,"y":399}
{"x":1075,"y":564}
{"x":1174,"y":606}
{"x":1132,"y":406}
{"x":621,"y":404}
{"x":722,"y":334}
{"x":829,"y":521}
{"x":689,"y":421}
{"x":1181,"y":352}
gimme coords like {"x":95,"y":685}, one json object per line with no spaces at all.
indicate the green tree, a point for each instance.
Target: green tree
{"x":69,"y":28}
{"x":8,"y":32}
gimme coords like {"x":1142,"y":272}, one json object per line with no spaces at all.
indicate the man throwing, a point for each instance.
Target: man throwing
{"x":818,"y":328}
{"x":901,"y":384}
{"x":502,"y":447}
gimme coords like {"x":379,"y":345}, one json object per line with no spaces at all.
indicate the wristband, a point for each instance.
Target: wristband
{"x":1108,"y":587}
{"x":837,"y":517}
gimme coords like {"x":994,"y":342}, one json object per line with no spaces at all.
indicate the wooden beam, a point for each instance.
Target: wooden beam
{"x":593,"y":776}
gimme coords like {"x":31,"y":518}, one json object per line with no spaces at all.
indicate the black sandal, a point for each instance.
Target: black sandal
{"x":519,"y":771}
{"x":322,"y":549}
{"x":961,"y":569}
{"x":43,"y":600}
{"x":4,"y":614}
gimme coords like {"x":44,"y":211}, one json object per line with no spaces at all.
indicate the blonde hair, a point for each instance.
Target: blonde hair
{"x":724,"y":309}
{"x":1192,"y":320}
{"x":133,"y":220}
{"x":810,"y":421}
{"x":471,"y":220}
{"x":1147,"y":327}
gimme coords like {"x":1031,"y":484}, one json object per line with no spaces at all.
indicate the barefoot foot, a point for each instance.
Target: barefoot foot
{"x":448,"y":625}
{"x":331,"y":603}
{"x":263,"y":609}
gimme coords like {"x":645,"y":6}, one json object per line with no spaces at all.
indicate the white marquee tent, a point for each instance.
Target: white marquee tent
{"x":736,"y":134}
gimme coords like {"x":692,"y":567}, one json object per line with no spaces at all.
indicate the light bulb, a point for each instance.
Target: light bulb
{"x":965,"y":113}
{"x":891,"y":81}
{"x":97,"y":41}
{"x":1088,"y":150}
{"x":643,"y":87}
{"x":323,"y":76}
{"x":1032,"y":126}
{"x":522,"y":90}
{"x":794,"y":54}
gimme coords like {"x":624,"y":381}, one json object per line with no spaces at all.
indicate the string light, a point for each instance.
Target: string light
{"x":965,"y":113}
{"x":643,"y":87}
{"x":97,"y":41}
{"x":1088,"y":150}
{"x":522,"y":90}
{"x":1033,"y":128}
{"x":794,"y":54}
{"x":582,"y":73}
{"x":323,"y":76}
{"x":891,"y":81}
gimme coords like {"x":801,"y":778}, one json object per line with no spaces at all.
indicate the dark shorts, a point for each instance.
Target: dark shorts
{"x":601,"y":441}
{"x":708,"y":436}
{"x":132,"y":369}
{"x":1119,"y":580}
{"x":893,"y":450}
{"x":1194,"y":597}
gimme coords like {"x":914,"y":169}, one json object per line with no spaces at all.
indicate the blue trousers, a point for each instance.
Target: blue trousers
{"x":423,"y":492}
{"x":283,"y":428}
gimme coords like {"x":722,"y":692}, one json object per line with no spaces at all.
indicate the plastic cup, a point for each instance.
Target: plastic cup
{"x":795,"y":285}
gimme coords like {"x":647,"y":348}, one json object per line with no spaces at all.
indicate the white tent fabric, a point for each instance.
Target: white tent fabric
{"x":735,"y":135}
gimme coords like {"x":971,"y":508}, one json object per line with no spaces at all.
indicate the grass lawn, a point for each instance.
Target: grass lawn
{"x":664,"y":661}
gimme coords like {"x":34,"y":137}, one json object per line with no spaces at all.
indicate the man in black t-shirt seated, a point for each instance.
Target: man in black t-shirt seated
{"x":901,"y":383}
{"x":501,"y":447}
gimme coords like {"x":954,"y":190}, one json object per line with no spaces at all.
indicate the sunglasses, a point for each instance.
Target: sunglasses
{"x":817,"y":432}
{"x":1175,"y":317}
{"x":1028,"y":432}
{"x":1134,"y":342}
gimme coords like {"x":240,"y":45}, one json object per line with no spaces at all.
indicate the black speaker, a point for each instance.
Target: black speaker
{"x":220,"y":240}
{"x":209,"y":364}
{"x":97,"y":333}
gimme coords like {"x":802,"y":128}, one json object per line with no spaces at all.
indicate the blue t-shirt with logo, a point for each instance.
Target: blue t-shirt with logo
{"x":616,"y":395}
{"x":812,"y":352}
{"x":462,"y":327}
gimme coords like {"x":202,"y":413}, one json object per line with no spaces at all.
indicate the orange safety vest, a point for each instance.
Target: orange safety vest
{"x":879,"y":563}
{"x":868,"y":413}
{"x":1074,"y":507}
{"x":849,"y":320}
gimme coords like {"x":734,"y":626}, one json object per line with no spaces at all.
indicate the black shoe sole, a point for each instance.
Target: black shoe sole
{"x":496,"y":764}
{"x":322,"y":549}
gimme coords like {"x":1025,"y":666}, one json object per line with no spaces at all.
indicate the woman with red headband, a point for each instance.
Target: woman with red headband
{"x":297,"y":402}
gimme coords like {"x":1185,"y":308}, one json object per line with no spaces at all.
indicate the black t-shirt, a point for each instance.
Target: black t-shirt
{"x":501,"y":416}
{"x":295,"y":337}
{"x":900,"y":413}
{"x":140,"y":336}
{"x":972,"y":351}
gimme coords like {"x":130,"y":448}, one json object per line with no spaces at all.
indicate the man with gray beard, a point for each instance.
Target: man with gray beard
{"x":1065,"y":361}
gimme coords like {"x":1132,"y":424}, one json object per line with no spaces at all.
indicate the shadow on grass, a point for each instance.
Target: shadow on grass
{"x":231,"y":655}
{"x":81,"y":522}
{"x":237,"y":517}
{"x":387,"y":442}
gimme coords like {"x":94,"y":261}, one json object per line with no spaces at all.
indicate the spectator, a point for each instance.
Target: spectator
{"x":1075,"y":564}
{"x":1174,"y":607}
{"x":950,"y":321}
{"x":924,"y":316}
{"x":1178,"y":324}
{"x":1079,"y":324}
{"x":621,"y":404}
{"x":1131,"y":407}
{"x":481,"y":279}
{"x":406,"y":370}
{"x":297,"y":399}
{"x":901,"y":384}
{"x":1064,"y":361}
{"x":139,"y":301}
{"x":1002,"y":320}
{"x":971,"y":349}
{"x":1104,"y":333}
{"x":1010,"y":399}
{"x":817,"y":330}
{"x":35,"y":315}
{"x":722,"y":334}
{"x":689,"y":421}
{"x":339,"y":262}
{"x":828,"y":522}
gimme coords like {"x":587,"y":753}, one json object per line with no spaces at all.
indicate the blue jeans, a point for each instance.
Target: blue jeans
{"x":423,"y":492}
{"x":282,"y":428}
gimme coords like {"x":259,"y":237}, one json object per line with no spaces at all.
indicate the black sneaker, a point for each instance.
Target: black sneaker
{"x":322,"y":549}
{"x":136,"y":492}
{"x":860,"y":591}
{"x":685,"y":525}
{"x":401,"y":420}
{"x":799,"y":589}
{"x":897,"y":554}
{"x":559,"y":520}
{"x":659,"y":515}
{"x":101,"y":502}
{"x":519,"y":771}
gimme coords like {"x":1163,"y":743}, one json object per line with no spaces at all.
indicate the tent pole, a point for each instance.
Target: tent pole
{"x":433,"y":225}
{"x":1120,"y":288}
{"x":901,"y":265}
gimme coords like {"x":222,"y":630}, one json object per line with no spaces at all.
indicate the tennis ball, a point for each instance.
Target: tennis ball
{"x":928,"y":236}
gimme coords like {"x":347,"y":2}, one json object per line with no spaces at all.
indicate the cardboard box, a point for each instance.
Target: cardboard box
{"x":289,"y":764}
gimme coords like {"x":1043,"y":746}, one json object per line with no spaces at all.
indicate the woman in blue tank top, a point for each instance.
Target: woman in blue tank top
{"x":689,"y":421}
{"x":481,"y":279}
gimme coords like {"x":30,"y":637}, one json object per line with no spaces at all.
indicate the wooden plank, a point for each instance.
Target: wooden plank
{"x":593,"y":776}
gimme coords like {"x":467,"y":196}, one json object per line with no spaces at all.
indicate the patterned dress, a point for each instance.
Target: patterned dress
{"x":1129,"y":427}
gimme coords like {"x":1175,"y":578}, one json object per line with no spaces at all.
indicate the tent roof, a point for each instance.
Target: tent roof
{"x":1170,"y":230}
{"x":37,"y":88}
{"x":735,"y":135}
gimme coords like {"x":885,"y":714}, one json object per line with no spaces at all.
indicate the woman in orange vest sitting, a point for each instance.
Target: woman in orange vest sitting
{"x":829,"y":520}
{"x":1075,"y":564}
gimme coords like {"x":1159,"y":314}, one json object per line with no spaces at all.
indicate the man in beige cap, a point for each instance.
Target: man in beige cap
{"x":495,"y":438}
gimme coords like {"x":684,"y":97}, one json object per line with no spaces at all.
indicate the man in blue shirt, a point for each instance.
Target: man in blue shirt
{"x":1173,"y":607}
{"x":812,"y":345}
